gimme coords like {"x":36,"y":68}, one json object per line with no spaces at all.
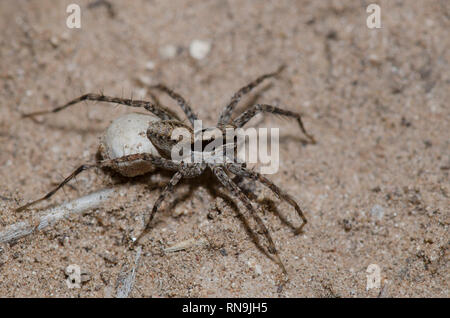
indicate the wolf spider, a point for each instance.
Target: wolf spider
{"x":159,"y":133}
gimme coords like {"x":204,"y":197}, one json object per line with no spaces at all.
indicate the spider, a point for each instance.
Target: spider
{"x":159,"y":133}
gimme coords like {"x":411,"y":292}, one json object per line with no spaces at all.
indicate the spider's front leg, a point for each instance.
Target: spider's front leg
{"x":156,"y":161}
{"x":243,"y":118}
{"x":228,"y":110}
{"x":184,"y":170}
{"x":59,"y":186}
{"x":168,"y":189}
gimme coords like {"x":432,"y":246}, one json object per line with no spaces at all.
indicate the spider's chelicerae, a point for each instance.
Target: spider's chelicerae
{"x":160,"y":135}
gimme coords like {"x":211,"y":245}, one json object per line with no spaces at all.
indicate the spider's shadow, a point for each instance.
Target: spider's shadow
{"x":295,"y":139}
{"x":266,"y":204}
{"x":166,"y":175}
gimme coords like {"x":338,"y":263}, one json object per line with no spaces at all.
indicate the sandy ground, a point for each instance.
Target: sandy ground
{"x":375,"y":187}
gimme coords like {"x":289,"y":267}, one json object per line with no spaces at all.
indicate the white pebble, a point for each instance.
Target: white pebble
{"x":199,"y":49}
{"x":377,"y":211}
{"x":168,"y":51}
{"x":54,"y":41}
{"x":56,"y":149}
{"x":374,"y":59}
{"x":150,"y":65}
{"x":144,"y":80}
{"x":126,"y":136}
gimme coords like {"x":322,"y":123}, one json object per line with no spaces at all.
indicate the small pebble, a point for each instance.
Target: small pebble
{"x":150,"y":65}
{"x":168,"y":51}
{"x":347,"y":225}
{"x":255,"y":267}
{"x":199,"y":49}
{"x":54,"y":41}
{"x":223,"y":252}
{"x":85,"y":277}
{"x":374,"y":59}
{"x":377,"y":211}
{"x":258,"y":269}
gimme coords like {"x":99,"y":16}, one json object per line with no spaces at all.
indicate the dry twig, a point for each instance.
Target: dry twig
{"x":51,"y":216}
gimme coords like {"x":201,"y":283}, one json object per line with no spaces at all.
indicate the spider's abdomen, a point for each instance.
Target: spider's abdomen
{"x":126,"y":136}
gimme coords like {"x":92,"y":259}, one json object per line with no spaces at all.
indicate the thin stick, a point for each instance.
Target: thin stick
{"x":125,"y":284}
{"x":77,"y":206}
{"x":184,"y":245}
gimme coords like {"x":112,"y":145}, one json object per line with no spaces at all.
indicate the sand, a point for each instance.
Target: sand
{"x":375,"y":188}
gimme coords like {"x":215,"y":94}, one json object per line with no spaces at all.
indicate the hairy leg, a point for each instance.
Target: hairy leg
{"x":158,"y":110}
{"x":243,"y":118}
{"x":244,"y":172}
{"x":180,"y":100}
{"x":168,"y":189}
{"x":59,"y":186}
{"x":156,"y":161}
{"x":238,"y":193}
{"x":228,"y":110}
{"x":184,"y":170}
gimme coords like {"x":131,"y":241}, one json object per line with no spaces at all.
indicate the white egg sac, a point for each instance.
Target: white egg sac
{"x":126,"y":136}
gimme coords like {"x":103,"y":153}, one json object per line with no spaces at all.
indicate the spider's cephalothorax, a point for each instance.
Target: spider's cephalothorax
{"x":161,"y":135}
{"x":193,"y":154}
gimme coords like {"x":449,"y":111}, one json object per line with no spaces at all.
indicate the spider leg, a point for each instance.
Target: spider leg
{"x":238,"y":193}
{"x":156,"y":161}
{"x":168,"y":189}
{"x":228,"y":110}
{"x":223,"y":203}
{"x":244,"y":172}
{"x":243,"y":118}
{"x":59,"y":186}
{"x":180,"y":100}
{"x":186,"y":170}
{"x":158,"y":110}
